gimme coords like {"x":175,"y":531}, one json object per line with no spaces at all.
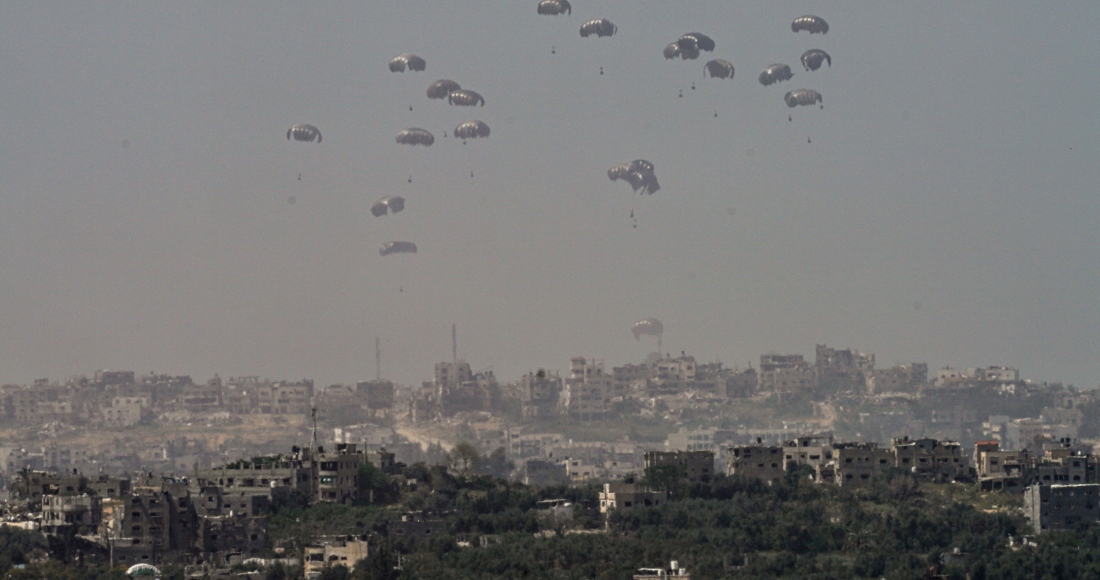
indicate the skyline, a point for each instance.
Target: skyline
{"x":944,"y":212}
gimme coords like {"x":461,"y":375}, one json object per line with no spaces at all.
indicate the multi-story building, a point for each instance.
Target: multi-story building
{"x":900,"y":378}
{"x":338,"y":474}
{"x":785,"y":374}
{"x":756,"y":461}
{"x":1061,"y":506}
{"x":741,"y":384}
{"x":624,"y":496}
{"x":540,"y":393}
{"x":696,"y":465}
{"x":857,"y":463}
{"x":842,"y":370}
{"x":377,"y":396}
{"x":587,"y":390}
{"x":81,"y":514}
{"x":345,"y":551}
{"x":929,"y":458}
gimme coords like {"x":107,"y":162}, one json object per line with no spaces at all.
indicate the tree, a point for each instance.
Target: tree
{"x":463,"y":458}
{"x":497,"y":464}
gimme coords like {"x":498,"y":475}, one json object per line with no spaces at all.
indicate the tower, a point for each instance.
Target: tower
{"x":377,"y":360}
{"x":454,"y":342}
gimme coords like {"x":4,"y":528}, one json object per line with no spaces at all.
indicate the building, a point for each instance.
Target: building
{"x":540,"y":393}
{"x":1061,"y":506}
{"x":696,"y":465}
{"x":345,"y":551}
{"x":900,"y":378}
{"x":756,"y":461}
{"x":619,"y":496}
{"x":377,"y":396}
{"x":80,"y":513}
{"x":338,"y":474}
{"x":673,"y":571}
{"x":857,"y":463}
{"x":930,"y":459}
{"x":587,"y":392}
{"x":842,"y":370}
{"x":786,"y":373}
{"x":414,"y":527}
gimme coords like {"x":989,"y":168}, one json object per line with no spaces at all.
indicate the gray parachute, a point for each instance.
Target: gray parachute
{"x":600,"y":27}
{"x":388,"y":204}
{"x":813,"y":59}
{"x":554,"y":7}
{"x":638,"y":173}
{"x":464,"y":98}
{"x":647,"y":326}
{"x":775,"y":73}
{"x":397,"y":248}
{"x":442,"y":88}
{"x":802,"y":98}
{"x":472,"y":130}
{"x":700,"y":40}
{"x":414,"y":63}
{"x":812,"y":24}
{"x":415,"y":136}
{"x":304,"y":132}
{"x":719,"y":69}
{"x":673,"y":51}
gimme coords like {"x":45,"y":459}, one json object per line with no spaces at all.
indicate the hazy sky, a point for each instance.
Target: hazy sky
{"x":946,"y":210}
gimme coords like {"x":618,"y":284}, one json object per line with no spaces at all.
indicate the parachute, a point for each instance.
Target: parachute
{"x":647,"y":326}
{"x":600,"y":27}
{"x":700,"y":40}
{"x":413,"y":62}
{"x":415,"y":136}
{"x":719,"y":69}
{"x":672,"y":50}
{"x":813,"y":58}
{"x":464,"y":98}
{"x":813,"y":24}
{"x":388,"y":204}
{"x":472,"y":130}
{"x":304,"y":132}
{"x":397,"y":248}
{"x":775,"y":73}
{"x":638,"y":173}
{"x":802,"y":97}
{"x":554,"y":7}
{"x":442,"y":88}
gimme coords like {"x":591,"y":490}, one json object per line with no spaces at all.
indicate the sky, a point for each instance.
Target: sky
{"x":942,"y":206}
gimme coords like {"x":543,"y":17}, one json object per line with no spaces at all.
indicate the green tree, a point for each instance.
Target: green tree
{"x":463,"y":458}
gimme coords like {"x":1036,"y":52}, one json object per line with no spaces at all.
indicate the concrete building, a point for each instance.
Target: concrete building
{"x":540,"y":393}
{"x":345,"y":551}
{"x":376,"y":396}
{"x":787,"y":373}
{"x":930,"y":459}
{"x":673,"y":571}
{"x":80,"y":513}
{"x":900,"y":378}
{"x":757,"y":461}
{"x":1061,"y":506}
{"x":696,"y":465}
{"x":857,"y":463}
{"x":620,"y":496}
{"x":587,"y":390}
{"x":415,"y":527}
{"x":338,"y":474}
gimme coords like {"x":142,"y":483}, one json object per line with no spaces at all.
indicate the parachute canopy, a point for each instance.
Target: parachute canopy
{"x":775,"y":73}
{"x":599,"y":27}
{"x":407,"y":60}
{"x":441,"y":88}
{"x":647,"y":326}
{"x":719,"y":69}
{"x":388,"y":204}
{"x":813,"y":58}
{"x":397,"y":248}
{"x":142,"y":570}
{"x":464,"y":98}
{"x":472,"y":130}
{"x":304,"y":132}
{"x":415,"y":136}
{"x":672,"y":50}
{"x":802,"y":97}
{"x":554,"y":7}
{"x":638,"y":173}
{"x":813,"y":24}
{"x":700,"y":40}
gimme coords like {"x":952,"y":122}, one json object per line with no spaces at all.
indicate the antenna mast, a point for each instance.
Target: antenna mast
{"x":454,"y":342}
{"x":313,"y":440}
{"x":377,"y":360}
